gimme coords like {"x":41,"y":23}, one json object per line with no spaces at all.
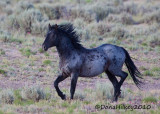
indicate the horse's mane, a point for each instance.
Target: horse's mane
{"x":69,"y":30}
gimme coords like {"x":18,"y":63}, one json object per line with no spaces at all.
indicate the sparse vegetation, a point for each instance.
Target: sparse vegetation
{"x":27,"y":52}
{"x":2,"y":71}
{"x":148,"y":73}
{"x":33,"y":93}
{"x":47,"y":62}
{"x":6,"y":96}
{"x":104,"y":91}
{"x":2,"y":52}
{"x":150,"y":99}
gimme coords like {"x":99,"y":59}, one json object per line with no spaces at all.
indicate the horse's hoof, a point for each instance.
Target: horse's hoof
{"x":114,"y":100}
{"x":63,"y":97}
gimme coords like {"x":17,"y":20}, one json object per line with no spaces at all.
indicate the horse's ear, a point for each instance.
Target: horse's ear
{"x":49,"y":26}
{"x":56,"y":26}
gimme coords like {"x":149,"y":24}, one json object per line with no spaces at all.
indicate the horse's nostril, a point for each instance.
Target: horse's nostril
{"x":44,"y":47}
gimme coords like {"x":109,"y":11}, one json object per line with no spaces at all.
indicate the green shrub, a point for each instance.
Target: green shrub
{"x":41,"y":50}
{"x":7,"y":96}
{"x":33,"y":93}
{"x":150,"y":99}
{"x":2,"y":71}
{"x":27,"y":52}
{"x":143,"y":68}
{"x":2,"y":52}
{"x":156,"y":69}
{"x":18,"y":100}
{"x":41,"y":69}
{"x":18,"y":97}
{"x":148,"y":73}
{"x":47,"y":62}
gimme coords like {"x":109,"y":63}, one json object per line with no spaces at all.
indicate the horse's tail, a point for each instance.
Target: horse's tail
{"x":134,"y":72}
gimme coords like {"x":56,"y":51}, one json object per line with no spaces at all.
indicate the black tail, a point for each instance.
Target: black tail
{"x":134,"y":72}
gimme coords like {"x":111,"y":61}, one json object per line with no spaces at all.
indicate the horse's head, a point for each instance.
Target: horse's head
{"x":51,"y":38}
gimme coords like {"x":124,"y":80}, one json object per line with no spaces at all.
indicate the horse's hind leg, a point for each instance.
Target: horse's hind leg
{"x":114,"y":81}
{"x":123,"y":75}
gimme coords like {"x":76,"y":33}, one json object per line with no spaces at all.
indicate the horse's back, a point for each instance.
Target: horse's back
{"x":115,"y":54}
{"x":97,"y":60}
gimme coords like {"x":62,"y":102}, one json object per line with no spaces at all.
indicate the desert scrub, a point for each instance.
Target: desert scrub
{"x":2,"y":71}
{"x":79,"y":23}
{"x":23,"y":5}
{"x":34,"y":93}
{"x":131,"y":8}
{"x":104,"y":91}
{"x":4,"y":36}
{"x":78,"y":12}
{"x":100,"y":12}
{"x":99,"y":30}
{"x":18,"y":100}
{"x":2,"y":52}
{"x":152,"y":17}
{"x":103,"y":28}
{"x":28,"y":18}
{"x":155,"y":42}
{"x":150,"y":99}
{"x":7,"y":37}
{"x":127,"y":19}
{"x":28,"y":21}
{"x":119,"y":33}
{"x":79,"y":95}
{"x":55,"y":11}
{"x":7,"y":96}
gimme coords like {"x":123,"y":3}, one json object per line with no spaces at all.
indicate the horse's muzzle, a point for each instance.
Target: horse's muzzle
{"x":44,"y":47}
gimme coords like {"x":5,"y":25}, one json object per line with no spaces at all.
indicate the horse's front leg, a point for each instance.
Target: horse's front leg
{"x":74,"y":78}
{"x":56,"y":82}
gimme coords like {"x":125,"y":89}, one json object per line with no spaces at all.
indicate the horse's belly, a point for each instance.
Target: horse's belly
{"x":92,"y":69}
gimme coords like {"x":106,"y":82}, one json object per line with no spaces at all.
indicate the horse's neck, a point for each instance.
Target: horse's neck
{"x":65,"y":49}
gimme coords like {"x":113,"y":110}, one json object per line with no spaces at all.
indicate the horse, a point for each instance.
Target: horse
{"x":78,"y":61}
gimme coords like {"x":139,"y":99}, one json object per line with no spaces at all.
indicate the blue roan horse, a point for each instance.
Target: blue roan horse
{"x":77,"y":61}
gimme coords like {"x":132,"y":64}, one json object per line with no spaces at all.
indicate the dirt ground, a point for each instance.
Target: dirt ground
{"x":13,"y":54}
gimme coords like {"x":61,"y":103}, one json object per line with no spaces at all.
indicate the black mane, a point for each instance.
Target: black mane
{"x":69,"y":30}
